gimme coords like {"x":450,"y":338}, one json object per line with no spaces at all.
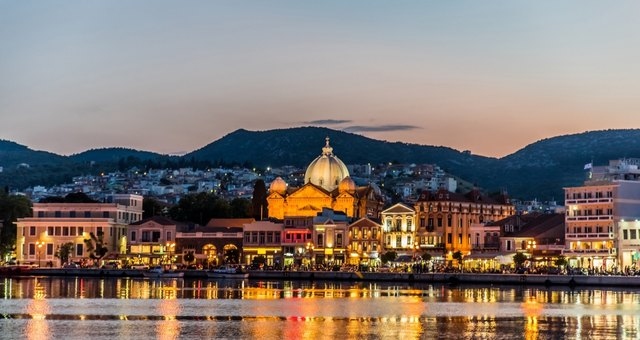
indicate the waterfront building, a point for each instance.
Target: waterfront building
{"x":54,"y":224}
{"x":263,"y":238}
{"x":541,"y":239}
{"x":220,"y":241}
{"x":297,"y":242}
{"x":330,"y":232}
{"x":152,"y":241}
{"x":327,"y":185}
{"x":399,"y":230}
{"x":365,"y":242}
{"x":445,"y":219}
{"x":602,"y":228}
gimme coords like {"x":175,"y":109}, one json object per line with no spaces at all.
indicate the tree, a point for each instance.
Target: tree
{"x":151,"y":207}
{"x":259,"y":201}
{"x":240,"y":208}
{"x":231,"y":255}
{"x":389,"y":256}
{"x":561,"y":261}
{"x":96,"y":246}
{"x":457,"y":255}
{"x":12,"y":207}
{"x":426,"y":257}
{"x":189,"y":256}
{"x":259,"y":260}
{"x":519,"y":259}
{"x":64,"y":251}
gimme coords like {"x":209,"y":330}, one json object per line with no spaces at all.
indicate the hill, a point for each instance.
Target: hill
{"x":540,"y":170}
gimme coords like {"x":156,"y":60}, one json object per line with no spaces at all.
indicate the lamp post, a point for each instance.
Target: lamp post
{"x":531,"y":246}
{"x":39,"y":244}
{"x":170,"y":246}
{"x":310,"y":251}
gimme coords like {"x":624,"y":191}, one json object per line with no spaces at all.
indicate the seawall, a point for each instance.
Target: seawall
{"x":449,"y":278}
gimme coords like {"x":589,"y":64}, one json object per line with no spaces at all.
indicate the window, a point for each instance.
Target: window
{"x":72,"y":231}
{"x":40,"y":214}
{"x":72,"y":214}
{"x":422,"y":222}
{"x":50,"y":231}
{"x":398,"y":241}
{"x":168,"y":236}
{"x":277,"y":235}
{"x":439,"y":221}
{"x":32,"y":231}
{"x":155,"y":236}
{"x":262,"y":237}
{"x":254,"y":237}
{"x":80,"y":231}
{"x":508,"y":244}
{"x":146,"y":236}
{"x":320,"y":240}
{"x":633,"y":234}
{"x":65,"y":231}
{"x":449,"y":221}
{"x":79,"y":249}
{"x":133,"y":236}
{"x":32,"y":249}
{"x":58,"y":231}
{"x":270,"y":237}
{"x":247,"y":237}
{"x":57,"y":214}
{"x":339,"y":240}
{"x":449,"y":238}
{"x":49,"y":249}
{"x":625,"y":234}
{"x":87,"y":214}
{"x":374,"y":232}
{"x":99,"y":230}
{"x":105,"y":214}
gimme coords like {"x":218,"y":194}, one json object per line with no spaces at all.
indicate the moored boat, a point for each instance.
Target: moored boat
{"x":228,"y":272}
{"x":160,"y":272}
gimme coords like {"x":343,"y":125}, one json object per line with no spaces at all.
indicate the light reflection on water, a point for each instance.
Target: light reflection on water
{"x":175,"y":308}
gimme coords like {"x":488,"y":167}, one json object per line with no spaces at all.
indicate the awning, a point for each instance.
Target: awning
{"x":481,"y":256}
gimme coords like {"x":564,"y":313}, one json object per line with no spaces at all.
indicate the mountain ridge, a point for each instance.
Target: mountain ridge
{"x":538,"y":170}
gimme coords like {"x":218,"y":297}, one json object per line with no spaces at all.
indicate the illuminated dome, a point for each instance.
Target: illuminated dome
{"x":327,"y":170}
{"x":278,"y":185}
{"x":347,"y":185}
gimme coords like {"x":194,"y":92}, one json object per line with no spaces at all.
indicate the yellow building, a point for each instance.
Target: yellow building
{"x":327,"y":185}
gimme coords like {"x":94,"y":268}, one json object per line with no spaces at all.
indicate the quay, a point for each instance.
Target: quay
{"x":446,"y":278}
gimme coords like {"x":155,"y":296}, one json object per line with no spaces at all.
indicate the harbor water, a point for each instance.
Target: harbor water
{"x":142,"y":308}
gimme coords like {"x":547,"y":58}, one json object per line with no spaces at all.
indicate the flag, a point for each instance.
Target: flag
{"x":588,"y":166}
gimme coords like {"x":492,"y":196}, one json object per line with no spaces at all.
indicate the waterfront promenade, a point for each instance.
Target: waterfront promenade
{"x":449,"y":278}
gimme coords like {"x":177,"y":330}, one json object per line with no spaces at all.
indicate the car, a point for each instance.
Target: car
{"x":111,"y":265}
{"x":140,"y":266}
{"x":70,"y":265}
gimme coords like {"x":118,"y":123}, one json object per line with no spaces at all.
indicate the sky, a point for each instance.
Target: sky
{"x":173,"y":76}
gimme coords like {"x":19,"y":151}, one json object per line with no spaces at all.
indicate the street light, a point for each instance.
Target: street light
{"x":39,"y":244}
{"x":170,"y":245}
{"x":531,"y":245}
{"x":310,"y":251}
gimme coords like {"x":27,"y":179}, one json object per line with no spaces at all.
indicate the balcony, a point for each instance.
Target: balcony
{"x":593,"y":252}
{"x":589,"y":201}
{"x":589,"y":236}
{"x":590,"y":218}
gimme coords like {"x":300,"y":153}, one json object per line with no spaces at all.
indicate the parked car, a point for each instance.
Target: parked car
{"x":70,"y":265}
{"x":111,"y":265}
{"x":140,"y":266}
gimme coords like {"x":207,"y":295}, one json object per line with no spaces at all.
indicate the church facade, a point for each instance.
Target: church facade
{"x":327,"y":185}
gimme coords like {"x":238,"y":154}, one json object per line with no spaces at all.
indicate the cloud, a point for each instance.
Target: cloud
{"x":380,"y":128}
{"x":328,"y":122}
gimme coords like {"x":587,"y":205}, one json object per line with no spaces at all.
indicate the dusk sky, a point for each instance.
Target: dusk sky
{"x":173,"y":76}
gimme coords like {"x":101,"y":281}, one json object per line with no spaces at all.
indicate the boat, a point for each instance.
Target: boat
{"x":228,"y":272}
{"x":160,"y":272}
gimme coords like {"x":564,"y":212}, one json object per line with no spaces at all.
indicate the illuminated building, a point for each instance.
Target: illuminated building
{"x":327,"y":185}
{"x":365,"y":241}
{"x":152,"y":240}
{"x":263,"y":238}
{"x":445,"y":218}
{"x":55,"y":224}
{"x":399,"y":228}
{"x":220,"y":241}
{"x":602,"y":228}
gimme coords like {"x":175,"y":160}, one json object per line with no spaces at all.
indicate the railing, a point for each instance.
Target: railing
{"x":590,"y":218}
{"x":611,"y":251}
{"x":589,"y":200}
{"x":608,"y":236}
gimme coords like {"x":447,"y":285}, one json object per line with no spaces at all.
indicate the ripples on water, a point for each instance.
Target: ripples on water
{"x":125,"y":308}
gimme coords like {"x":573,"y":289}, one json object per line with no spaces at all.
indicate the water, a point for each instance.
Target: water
{"x":126,"y":308}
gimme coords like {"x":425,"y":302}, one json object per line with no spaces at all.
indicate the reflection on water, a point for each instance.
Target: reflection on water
{"x":100,"y":308}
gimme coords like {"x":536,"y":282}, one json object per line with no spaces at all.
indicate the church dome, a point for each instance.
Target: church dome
{"x":278,"y":185}
{"x":347,"y":185}
{"x":327,"y":170}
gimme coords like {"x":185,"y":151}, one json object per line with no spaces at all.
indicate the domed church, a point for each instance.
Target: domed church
{"x":327,"y":185}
